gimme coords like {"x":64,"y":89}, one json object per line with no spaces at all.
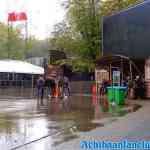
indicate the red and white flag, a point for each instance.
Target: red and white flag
{"x":11,"y":17}
{"x":19,"y":16}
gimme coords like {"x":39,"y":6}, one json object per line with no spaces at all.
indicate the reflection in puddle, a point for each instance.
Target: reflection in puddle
{"x":59,"y":120}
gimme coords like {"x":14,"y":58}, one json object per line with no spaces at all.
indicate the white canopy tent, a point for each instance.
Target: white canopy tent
{"x":17,"y":66}
{"x":19,"y":77}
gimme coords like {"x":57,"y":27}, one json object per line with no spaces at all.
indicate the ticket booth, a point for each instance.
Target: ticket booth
{"x":100,"y":75}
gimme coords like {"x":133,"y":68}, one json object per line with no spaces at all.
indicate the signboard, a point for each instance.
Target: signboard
{"x":116,"y":77}
{"x":101,"y":74}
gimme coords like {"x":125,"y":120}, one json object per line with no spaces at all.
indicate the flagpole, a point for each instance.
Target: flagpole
{"x":10,"y":26}
{"x":26,"y":37}
{"x":8,"y":42}
{"x":12,"y":17}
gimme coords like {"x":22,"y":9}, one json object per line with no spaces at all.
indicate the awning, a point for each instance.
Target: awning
{"x":117,"y":60}
{"x":16,"y":66}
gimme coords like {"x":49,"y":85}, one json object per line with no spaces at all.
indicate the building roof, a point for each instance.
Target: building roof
{"x":128,"y":32}
{"x":17,"y":66}
{"x":130,"y":8}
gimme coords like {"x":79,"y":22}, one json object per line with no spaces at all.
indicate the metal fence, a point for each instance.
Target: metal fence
{"x":78,"y":87}
{"x":25,"y":89}
{"x":13,"y":89}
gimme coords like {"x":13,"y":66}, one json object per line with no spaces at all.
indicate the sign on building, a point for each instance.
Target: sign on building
{"x":101,"y":74}
{"x":116,"y":77}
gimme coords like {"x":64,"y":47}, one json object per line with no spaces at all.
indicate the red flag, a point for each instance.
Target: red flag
{"x":21,"y":16}
{"x":11,"y":17}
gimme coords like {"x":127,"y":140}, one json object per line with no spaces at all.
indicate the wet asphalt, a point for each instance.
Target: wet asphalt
{"x":26,"y":124}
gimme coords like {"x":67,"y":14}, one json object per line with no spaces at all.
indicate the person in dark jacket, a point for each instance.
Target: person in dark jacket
{"x":139,"y":87}
{"x":40,"y":88}
{"x":50,"y":83}
{"x":66,"y":87}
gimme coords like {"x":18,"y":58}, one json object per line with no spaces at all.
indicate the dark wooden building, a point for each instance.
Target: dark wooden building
{"x":127,"y":33}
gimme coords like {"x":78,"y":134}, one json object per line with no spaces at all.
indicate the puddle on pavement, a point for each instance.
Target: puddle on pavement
{"x":22,"y":121}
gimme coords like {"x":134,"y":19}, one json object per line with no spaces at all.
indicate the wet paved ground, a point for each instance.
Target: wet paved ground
{"x":44,"y":127}
{"x":27,"y":125}
{"x":133,"y":126}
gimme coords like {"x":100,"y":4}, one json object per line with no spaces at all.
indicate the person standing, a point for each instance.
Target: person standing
{"x":40,"y":89}
{"x":60,"y":85}
{"x":49,"y":84}
{"x":66,"y":87}
{"x":139,"y":88}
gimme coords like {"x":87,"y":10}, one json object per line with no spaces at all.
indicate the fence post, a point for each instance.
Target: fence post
{"x":32,"y":92}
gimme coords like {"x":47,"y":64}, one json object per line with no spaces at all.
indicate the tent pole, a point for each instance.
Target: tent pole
{"x":96,"y":80}
{"x":32,"y":85}
{"x":22,"y":88}
{"x":110,"y":75}
{"x":122,"y":71}
{"x":131,"y":76}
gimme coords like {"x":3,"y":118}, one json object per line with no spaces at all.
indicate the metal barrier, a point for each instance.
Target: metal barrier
{"x":14,"y":89}
{"x":25,"y":89}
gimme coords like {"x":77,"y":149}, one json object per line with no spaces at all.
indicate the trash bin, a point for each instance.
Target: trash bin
{"x":117,"y":94}
{"x":120,"y":93}
{"x":110,"y":94}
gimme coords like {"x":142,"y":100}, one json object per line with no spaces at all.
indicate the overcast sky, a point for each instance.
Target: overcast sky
{"x":42,"y":14}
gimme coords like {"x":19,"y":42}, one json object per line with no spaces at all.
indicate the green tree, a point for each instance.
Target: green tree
{"x":84,"y":18}
{"x":11,"y":43}
{"x":64,"y":38}
{"x":36,"y":48}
